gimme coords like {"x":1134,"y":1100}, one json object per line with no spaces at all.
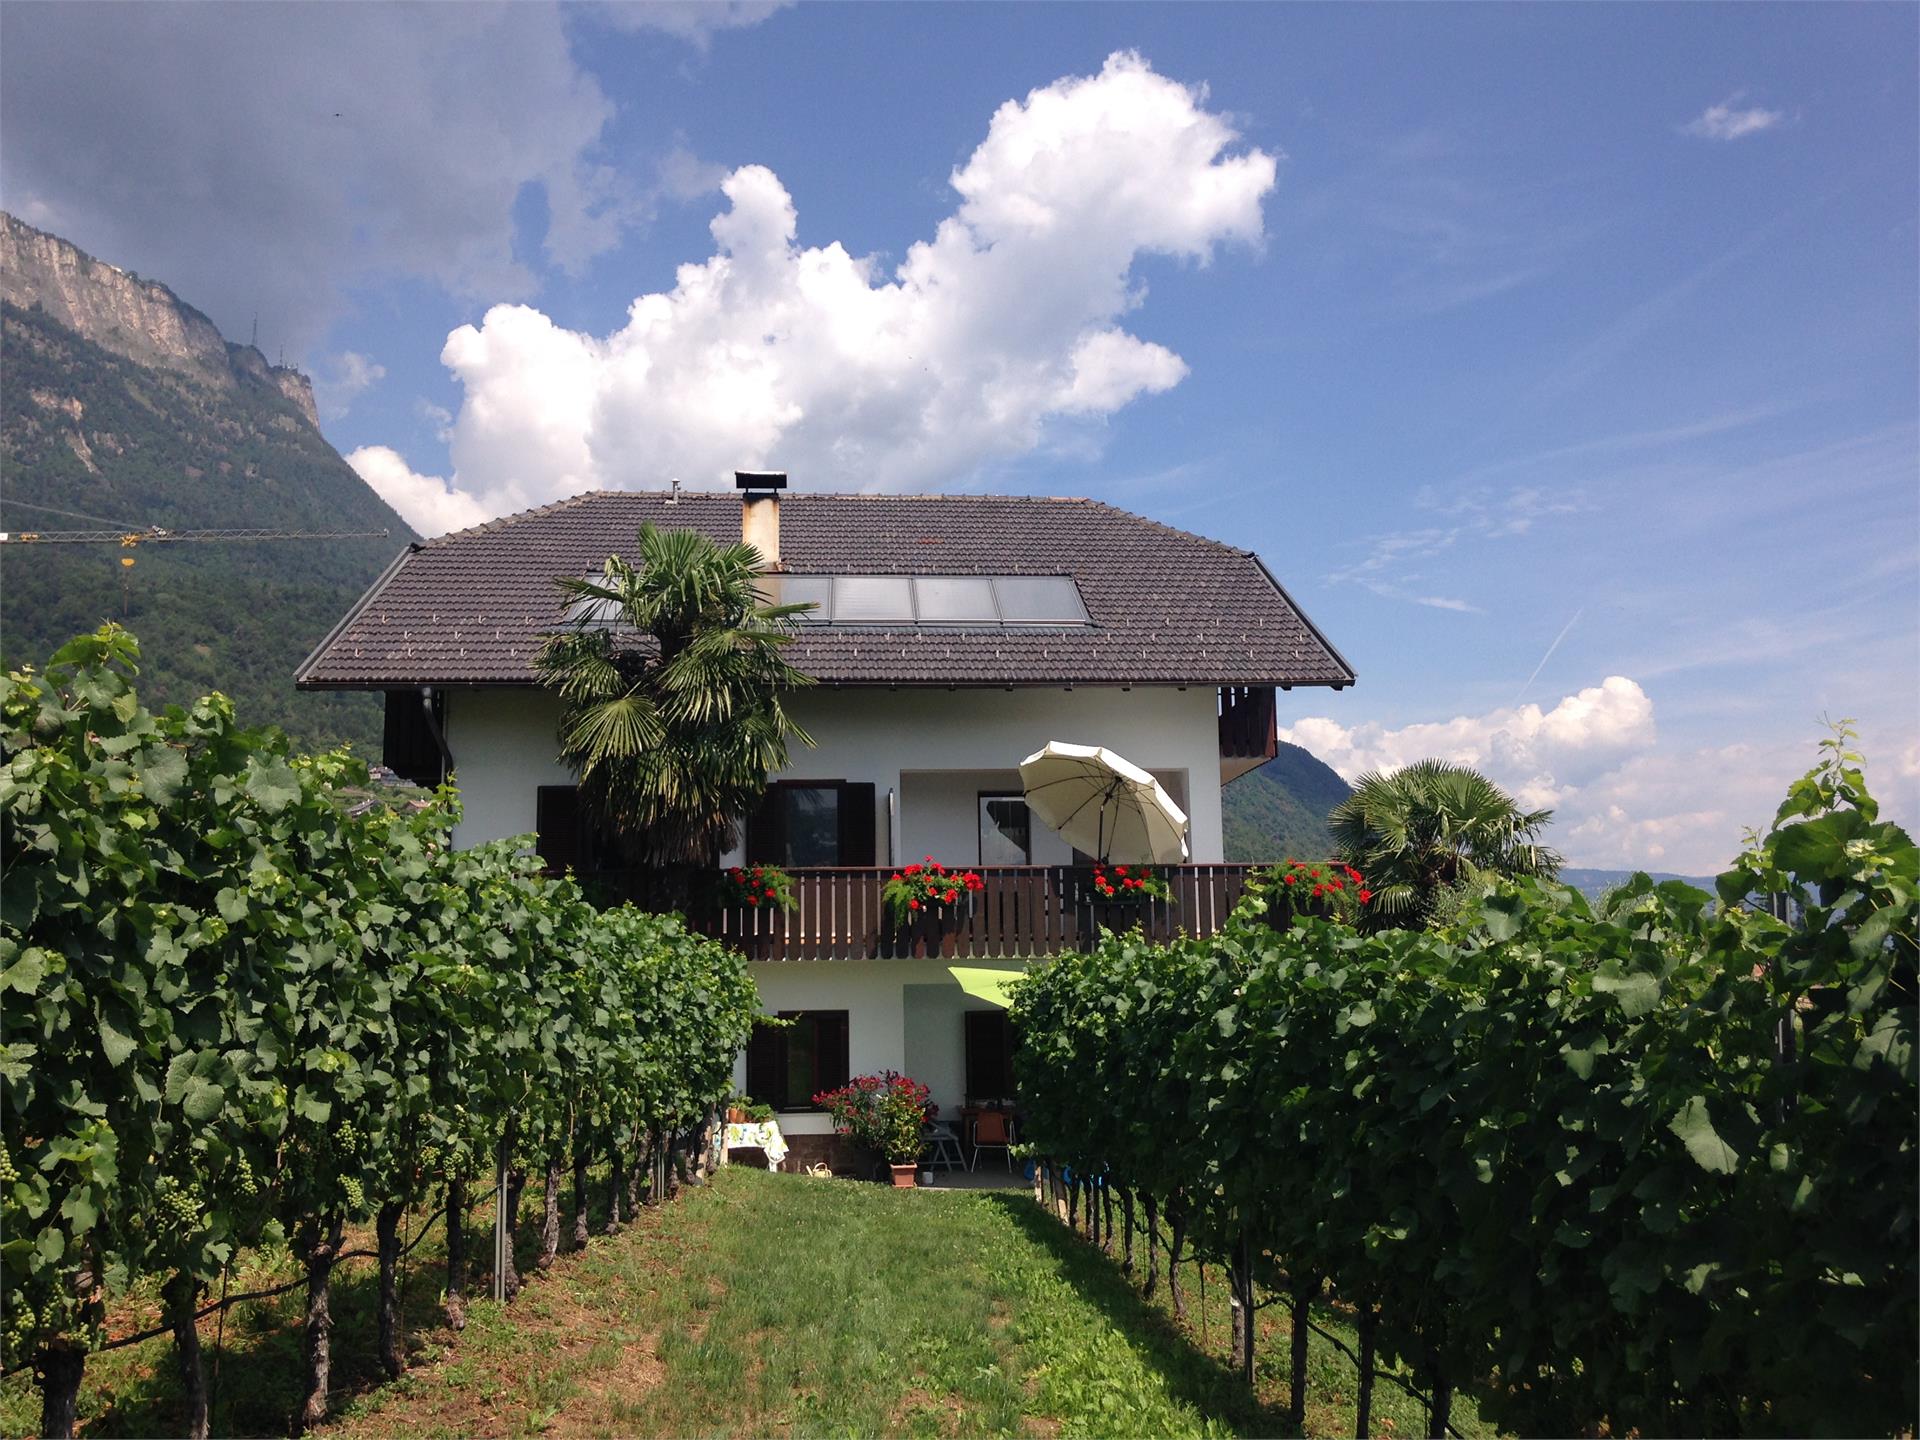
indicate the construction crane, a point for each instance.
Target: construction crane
{"x":128,"y":539}
{"x":154,"y":535}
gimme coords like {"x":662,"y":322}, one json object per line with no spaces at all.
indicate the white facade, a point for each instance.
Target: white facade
{"x":929,"y":754}
{"x":932,"y":751}
{"x":902,"y":1015}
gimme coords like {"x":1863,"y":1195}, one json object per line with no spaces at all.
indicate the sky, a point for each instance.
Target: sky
{"x":1562,"y":361}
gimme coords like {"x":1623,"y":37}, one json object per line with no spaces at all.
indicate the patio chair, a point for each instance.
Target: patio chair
{"x":992,"y":1131}
{"x":943,"y":1146}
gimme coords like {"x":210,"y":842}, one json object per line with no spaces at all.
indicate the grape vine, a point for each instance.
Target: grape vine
{"x":250,"y":998}
{"x":1644,"y":1165}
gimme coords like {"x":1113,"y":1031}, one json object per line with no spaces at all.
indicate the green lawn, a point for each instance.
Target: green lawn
{"x":773,"y":1304}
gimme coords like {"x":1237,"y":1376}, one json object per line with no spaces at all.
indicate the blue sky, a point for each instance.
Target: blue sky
{"x":1561,"y":360}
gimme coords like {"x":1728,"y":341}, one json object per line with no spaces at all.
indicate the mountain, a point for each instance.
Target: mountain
{"x":1595,"y":883}
{"x":1280,"y":810}
{"x":124,"y":404}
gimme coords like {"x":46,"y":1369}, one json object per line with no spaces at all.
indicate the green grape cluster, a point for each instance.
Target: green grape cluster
{"x":245,"y":1183}
{"x":178,"y":1206}
{"x":7,"y":1173}
{"x":348,"y":1138}
{"x":356,"y":1196}
{"x":21,"y":1325}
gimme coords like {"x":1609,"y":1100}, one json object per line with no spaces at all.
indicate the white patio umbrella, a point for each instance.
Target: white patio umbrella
{"x":1104,"y":804}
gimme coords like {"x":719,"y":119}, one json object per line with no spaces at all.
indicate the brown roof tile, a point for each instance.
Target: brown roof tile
{"x":1166,"y":607}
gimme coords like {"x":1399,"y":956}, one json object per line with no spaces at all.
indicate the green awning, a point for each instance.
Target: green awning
{"x":988,"y":982}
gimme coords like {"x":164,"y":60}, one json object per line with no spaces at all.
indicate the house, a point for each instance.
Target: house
{"x":955,"y":635}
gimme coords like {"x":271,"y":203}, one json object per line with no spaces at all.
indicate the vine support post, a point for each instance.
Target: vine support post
{"x":1177,"y":1222}
{"x":582,"y":1153}
{"x":181,"y":1294}
{"x":616,"y":1181}
{"x":502,"y":1232}
{"x":1241,"y":1309}
{"x":1106,"y":1214}
{"x":554,"y":1173}
{"x":457,"y":1253}
{"x":1126,"y":1221}
{"x":386,"y":1229}
{"x":1153,"y":1242}
{"x":57,"y":1369}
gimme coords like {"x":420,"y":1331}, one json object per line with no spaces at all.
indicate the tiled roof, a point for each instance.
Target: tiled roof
{"x":1166,"y":607}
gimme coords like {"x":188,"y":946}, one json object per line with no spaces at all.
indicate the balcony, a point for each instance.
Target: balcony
{"x":1023,"y":911}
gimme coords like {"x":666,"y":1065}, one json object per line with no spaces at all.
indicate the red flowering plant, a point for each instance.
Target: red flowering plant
{"x":1130,"y":882}
{"x":762,"y":887}
{"x":1325,"y":888}
{"x":929,"y":888}
{"x":884,"y":1112}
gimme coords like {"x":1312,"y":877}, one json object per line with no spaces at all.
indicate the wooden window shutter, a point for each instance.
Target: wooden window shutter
{"x":989,"y":1061}
{"x":561,"y":831}
{"x":830,"y":1048}
{"x":407,"y":746}
{"x":766,"y":840}
{"x":767,"y":1065}
{"x":857,"y":839}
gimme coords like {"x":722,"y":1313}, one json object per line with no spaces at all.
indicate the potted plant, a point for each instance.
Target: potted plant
{"x":928,"y":901}
{"x":757,"y":887}
{"x":887,"y":1113}
{"x":1119,"y":895}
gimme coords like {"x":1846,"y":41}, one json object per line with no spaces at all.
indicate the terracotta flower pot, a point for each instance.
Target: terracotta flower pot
{"x":736,"y":1116}
{"x":902,"y":1176}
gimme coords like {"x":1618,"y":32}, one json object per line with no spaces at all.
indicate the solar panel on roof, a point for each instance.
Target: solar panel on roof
{"x":955,"y":599}
{"x":590,"y":613}
{"x":814,"y":590}
{"x":872,"y":599}
{"x":1039,"y":600}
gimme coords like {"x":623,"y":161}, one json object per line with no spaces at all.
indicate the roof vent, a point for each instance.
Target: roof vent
{"x":759,"y":479}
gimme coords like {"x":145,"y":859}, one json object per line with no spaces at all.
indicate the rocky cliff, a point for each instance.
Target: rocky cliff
{"x":140,"y":319}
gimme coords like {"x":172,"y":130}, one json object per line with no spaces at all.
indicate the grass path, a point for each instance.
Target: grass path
{"x":772,"y":1304}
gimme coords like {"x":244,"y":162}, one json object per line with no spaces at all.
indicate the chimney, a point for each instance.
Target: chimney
{"x":760,"y":511}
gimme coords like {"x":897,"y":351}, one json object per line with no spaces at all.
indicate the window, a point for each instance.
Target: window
{"x":565,"y":836}
{"x":813,"y":822}
{"x":990,"y":1044}
{"x":787,"y":1065}
{"x":1006,"y":831}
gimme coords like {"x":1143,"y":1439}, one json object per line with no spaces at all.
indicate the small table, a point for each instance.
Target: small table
{"x":763,"y":1136}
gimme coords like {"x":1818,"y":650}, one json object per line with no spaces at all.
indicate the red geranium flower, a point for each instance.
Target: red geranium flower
{"x":1290,"y":879}
{"x":913,"y":904}
{"x":1365,"y":896}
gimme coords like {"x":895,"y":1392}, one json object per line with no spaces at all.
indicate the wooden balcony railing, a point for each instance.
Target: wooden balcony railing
{"x":1022,"y":911}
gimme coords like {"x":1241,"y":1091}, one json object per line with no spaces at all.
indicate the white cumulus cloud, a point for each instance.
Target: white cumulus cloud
{"x":1621,"y":799}
{"x":1535,"y":753}
{"x":820,"y":361}
{"x":1725,"y":122}
{"x":424,"y":501}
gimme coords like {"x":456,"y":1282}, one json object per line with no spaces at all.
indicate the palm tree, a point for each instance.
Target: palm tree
{"x":671,"y":680}
{"x":1433,"y":826}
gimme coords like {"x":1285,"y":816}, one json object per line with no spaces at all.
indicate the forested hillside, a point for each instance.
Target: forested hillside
{"x":92,"y":432}
{"x":1280,"y":810}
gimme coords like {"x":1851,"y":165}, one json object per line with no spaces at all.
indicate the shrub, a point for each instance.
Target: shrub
{"x":884,"y":1112}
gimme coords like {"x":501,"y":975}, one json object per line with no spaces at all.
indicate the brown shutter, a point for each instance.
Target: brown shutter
{"x":407,"y":746}
{"x":830,"y":1048}
{"x":988,"y":1040}
{"x":766,"y":842}
{"x":857,"y":824}
{"x":560,"y":834}
{"x":767,"y":1065}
